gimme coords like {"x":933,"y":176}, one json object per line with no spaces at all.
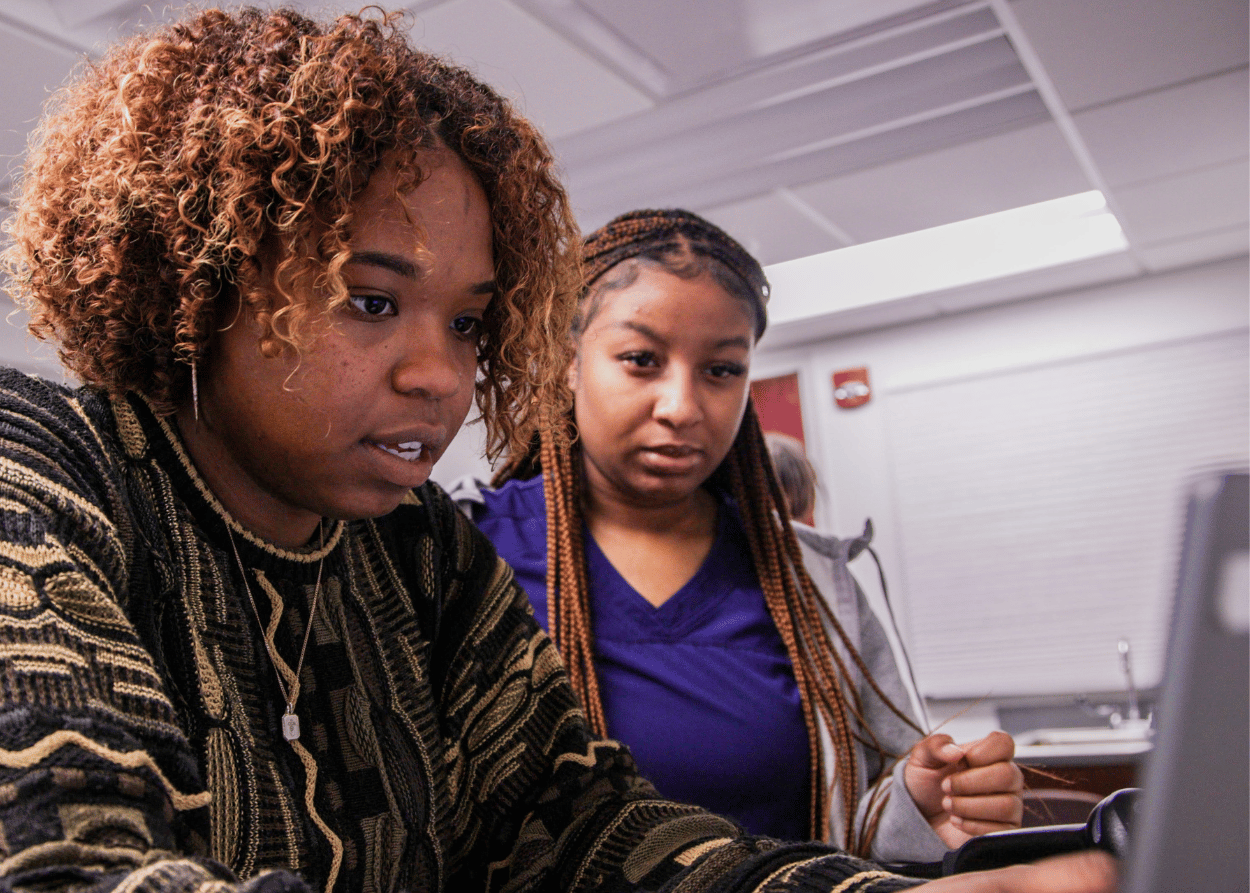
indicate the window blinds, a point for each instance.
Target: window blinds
{"x":1039,"y":511}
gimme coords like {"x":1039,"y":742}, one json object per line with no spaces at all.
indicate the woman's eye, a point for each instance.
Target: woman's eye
{"x":640,"y":358}
{"x":726,"y":370}
{"x":468,"y":327}
{"x":374,"y":305}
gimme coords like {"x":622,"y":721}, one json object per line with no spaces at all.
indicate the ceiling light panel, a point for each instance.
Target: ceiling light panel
{"x":1008,"y":243}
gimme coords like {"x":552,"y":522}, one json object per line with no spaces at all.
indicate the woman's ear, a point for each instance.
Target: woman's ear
{"x":570,"y":374}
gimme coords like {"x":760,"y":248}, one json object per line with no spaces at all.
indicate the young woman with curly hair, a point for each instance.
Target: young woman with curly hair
{"x":243,"y":643}
{"x":740,"y":662}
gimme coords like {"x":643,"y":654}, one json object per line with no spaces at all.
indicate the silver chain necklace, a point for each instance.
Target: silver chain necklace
{"x":290,"y":721}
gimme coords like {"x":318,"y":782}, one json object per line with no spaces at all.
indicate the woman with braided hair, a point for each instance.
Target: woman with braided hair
{"x":655,"y":542}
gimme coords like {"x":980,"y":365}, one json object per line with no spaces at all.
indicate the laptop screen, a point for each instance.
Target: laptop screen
{"x":1191,"y":830}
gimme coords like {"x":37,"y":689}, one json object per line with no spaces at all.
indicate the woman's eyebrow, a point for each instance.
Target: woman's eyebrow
{"x":387,"y":261}
{"x":406,"y":268}
{"x":643,"y":329}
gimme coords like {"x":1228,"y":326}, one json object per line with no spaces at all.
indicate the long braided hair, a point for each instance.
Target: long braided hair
{"x":688,"y":245}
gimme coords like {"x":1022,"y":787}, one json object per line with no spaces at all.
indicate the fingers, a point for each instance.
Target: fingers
{"x":981,"y":815}
{"x":936,"y":752}
{"x":996,"y":747}
{"x":966,"y":790}
{"x":985,"y":799}
{"x":996,"y":778}
{"x":1091,"y":871}
{"x":972,"y":829}
{"x":993,"y":808}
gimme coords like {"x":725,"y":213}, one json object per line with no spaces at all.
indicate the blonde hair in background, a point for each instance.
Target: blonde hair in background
{"x":794,"y":471}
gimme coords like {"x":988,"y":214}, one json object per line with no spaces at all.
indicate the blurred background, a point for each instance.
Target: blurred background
{"x":1013,"y":232}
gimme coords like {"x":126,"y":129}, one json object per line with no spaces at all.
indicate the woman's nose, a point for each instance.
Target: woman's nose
{"x":678,"y":401}
{"x":429,"y":366}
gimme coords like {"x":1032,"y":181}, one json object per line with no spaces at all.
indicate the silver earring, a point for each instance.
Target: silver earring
{"x":195,"y":390}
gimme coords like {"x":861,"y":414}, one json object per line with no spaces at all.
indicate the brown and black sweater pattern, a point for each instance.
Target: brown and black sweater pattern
{"x":442,"y":747}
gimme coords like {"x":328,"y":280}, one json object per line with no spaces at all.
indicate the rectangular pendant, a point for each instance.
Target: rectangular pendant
{"x":290,"y":726}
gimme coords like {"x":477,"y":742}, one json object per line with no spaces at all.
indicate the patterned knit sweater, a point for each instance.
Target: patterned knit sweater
{"x":441,"y":747}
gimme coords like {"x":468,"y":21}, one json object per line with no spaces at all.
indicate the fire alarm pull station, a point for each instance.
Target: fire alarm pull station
{"x":851,"y":388}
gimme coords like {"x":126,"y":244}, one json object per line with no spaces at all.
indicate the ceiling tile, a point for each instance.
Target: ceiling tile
{"x":1012,"y":169}
{"x":697,"y":41}
{"x":772,"y":229}
{"x":555,"y":84}
{"x":1199,"y":249}
{"x":1099,"y":50}
{"x":78,"y":12}
{"x":1188,"y":204}
{"x":837,"y":112}
{"x":681,"y":175}
{"x":1197,"y":124}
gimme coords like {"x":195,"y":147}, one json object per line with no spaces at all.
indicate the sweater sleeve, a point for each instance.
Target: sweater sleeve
{"x":902,"y":834}
{"x":543,"y":805}
{"x":886,"y":811}
{"x":98,"y":785}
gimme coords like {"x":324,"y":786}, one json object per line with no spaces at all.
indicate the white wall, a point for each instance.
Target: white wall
{"x":851,"y":448}
{"x":466,"y":454}
{"x":19,"y":350}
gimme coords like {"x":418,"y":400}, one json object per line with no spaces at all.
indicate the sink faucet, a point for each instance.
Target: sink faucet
{"x":1133,"y":724}
{"x":1126,"y":664}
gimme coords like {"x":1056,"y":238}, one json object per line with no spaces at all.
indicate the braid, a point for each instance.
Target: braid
{"x":661,"y":235}
{"x":801,"y":615}
{"x":554,"y":453}
{"x":568,"y":592}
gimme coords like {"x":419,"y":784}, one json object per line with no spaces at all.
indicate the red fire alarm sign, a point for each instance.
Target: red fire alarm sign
{"x":850,"y":387}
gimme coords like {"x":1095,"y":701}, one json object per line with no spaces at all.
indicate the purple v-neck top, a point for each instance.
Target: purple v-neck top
{"x":700,"y":688}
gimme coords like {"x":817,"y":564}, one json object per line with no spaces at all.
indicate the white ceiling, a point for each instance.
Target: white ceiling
{"x":805,"y":125}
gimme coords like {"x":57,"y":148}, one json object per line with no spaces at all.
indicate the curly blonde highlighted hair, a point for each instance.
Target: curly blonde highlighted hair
{"x":155,"y":178}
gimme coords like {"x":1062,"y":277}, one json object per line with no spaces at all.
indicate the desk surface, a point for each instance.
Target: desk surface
{"x":1084,"y":754}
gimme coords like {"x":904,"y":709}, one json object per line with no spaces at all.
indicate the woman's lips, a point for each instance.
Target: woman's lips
{"x":404,"y":463}
{"x":674,"y":451}
{"x":673,"y":459}
{"x":409,"y":451}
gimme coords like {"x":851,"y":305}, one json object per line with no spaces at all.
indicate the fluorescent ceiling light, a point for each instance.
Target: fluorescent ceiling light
{"x":1060,"y":231}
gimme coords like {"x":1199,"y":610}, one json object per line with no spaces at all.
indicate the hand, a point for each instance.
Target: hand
{"x":965,"y":790}
{"x":1092,"y":871}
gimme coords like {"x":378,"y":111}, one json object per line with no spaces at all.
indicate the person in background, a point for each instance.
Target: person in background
{"x":244,"y":644}
{"x":743,"y":668}
{"x":797,"y":479}
{"x":795,"y":476}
